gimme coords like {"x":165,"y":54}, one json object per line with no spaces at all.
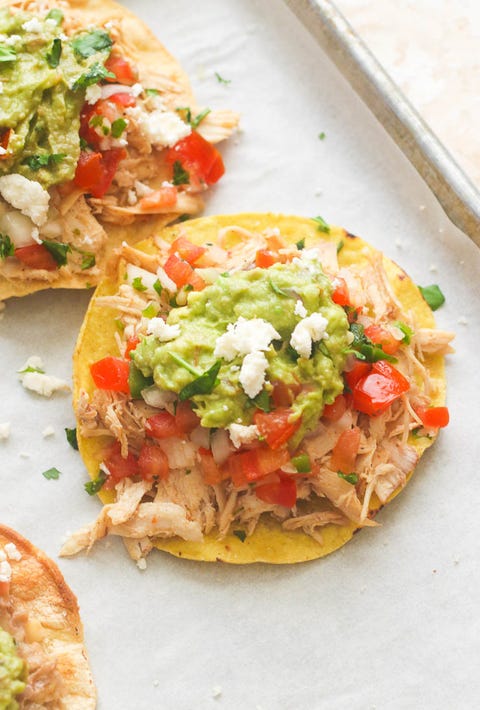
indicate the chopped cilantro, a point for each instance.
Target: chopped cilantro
{"x":152,"y":92}
{"x":183,"y":217}
{"x":322,"y":136}
{"x":180,"y":175}
{"x":340,"y":246}
{"x":406,"y":330}
{"x":53,"y":56}
{"x":88,"y":260}
{"x":183,"y":363}
{"x":279,"y":291}
{"x":43,"y":160}
{"x":95,"y":484}
{"x":31,"y":369}
{"x":302,"y":463}
{"x":262,"y":401}
{"x":188,"y":471}
{"x":150,"y":311}
{"x":7,"y":54}
{"x":351,"y":478}
{"x":93,"y":75}
{"x":71,"y":435}
{"x":195,"y":122}
{"x":241,"y":534}
{"x":55,"y":14}
{"x":158,"y":287}
{"x":52,"y":474}
{"x":322,"y":226}
{"x":118,"y":126}
{"x":433,"y":296}
{"x":221,"y":80}
{"x":137,"y":284}
{"x":203,"y":384}
{"x":301,"y":244}
{"x":87,"y":44}
{"x":7,"y":247}
{"x":58,"y":250}
{"x":363,"y":347}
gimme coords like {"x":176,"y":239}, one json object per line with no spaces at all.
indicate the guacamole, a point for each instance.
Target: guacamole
{"x":282,"y":296}
{"x":12,"y":672}
{"x":43,"y":80}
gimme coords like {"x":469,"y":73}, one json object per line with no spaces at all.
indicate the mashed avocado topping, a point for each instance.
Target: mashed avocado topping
{"x":43,"y":78}
{"x":285,"y":300}
{"x":12,"y":672}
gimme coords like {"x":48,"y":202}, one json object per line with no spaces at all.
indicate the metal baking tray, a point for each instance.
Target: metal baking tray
{"x":454,"y":190}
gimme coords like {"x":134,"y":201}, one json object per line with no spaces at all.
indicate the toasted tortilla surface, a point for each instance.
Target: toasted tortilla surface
{"x":269,"y":543}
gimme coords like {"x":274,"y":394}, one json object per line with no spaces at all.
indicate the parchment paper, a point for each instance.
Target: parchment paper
{"x":389,"y":622}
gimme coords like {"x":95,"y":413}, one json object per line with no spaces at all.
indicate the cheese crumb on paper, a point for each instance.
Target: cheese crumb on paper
{"x":4,"y":431}
{"x":38,"y":381}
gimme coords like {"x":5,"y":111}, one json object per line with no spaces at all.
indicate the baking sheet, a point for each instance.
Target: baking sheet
{"x":388,"y":622}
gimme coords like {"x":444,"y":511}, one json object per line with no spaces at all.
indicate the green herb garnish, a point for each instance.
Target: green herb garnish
{"x":158,"y":287}
{"x":137,"y":284}
{"x":180,"y":175}
{"x":241,"y":534}
{"x":322,"y":226}
{"x":7,"y":247}
{"x":87,"y":44}
{"x":52,"y":474}
{"x":137,"y":381}
{"x":96,"y":484}
{"x":118,"y":126}
{"x":95,"y":73}
{"x":301,"y":244}
{"x":58,"y":251}
{"x":43,"y":160}
{"x":88,"y":260}
{"x":150,"y":311}
{"x":262,"y":401}
{"x":204,"y":384}
{"x":406,"y":330}
{"x":53,"y":56}
{"x":55,"y":14}
{"x":302,"y":463}
{"x":7,"y":54}
{"x":221,"y":80}
{"x":363,"y":347}
{"x":340,"y":246}
{"x":433,"y":296}
{"x":195,"y":122}
{"x":31,"y":369}
{"x":71,"y":435}
{"x":322,"y":136}
{"x":152,"y":92}
{"x":351,"y":478}
{"x":279,"y":291}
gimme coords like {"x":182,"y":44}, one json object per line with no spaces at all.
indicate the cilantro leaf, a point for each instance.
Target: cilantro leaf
{"x":322,"y":226}
{"x":262,"y":401}
{"x":96,"y":484}
{"x":158,"y":287}
{"x":433,"y":296}
{"x":221,"y":80}
{"x":322,"y":136}
{"x":138,"y":284}
{"x":43,"y":160}
{"x":87,"y":44}
{"x":7,"y":54}
{"x":118,"y":126}
{"x":55,"y":14}
{"x":58,"y":250}
{"x":363,"y":347}
{"x":340,"y":246}
{"x":279,"y":291}
{"x":301,"y":244}
{"x":7,"y":247}
{"x":53,"y":56}
{"x":93,"y":75}
{"x":406,"y":330}
{"x":31,"y":369}
{"x":195,"y":122}
{"x":351,"y":478}
{"x":71,"y":435}
{"x":88,"y":260}
{"x":241,"y":534}
{"x":52,"y":474}
{"x":180,"y":175}
{"x":203,"y":384}
{"x":152,"y":92}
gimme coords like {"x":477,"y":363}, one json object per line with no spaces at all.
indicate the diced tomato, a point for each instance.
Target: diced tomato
{"x":186,"y":250}
{"x":36,"y":256}
{"x":118,"y":466}
{"x":375,"y":392}
{"x":277,"y":427}
{"x":162,"y":426}
{"x":340,"y":295}
{"x":345,"y":451}
{"x":283,"y":395}
{"x":95,"y":171}
{"x":122,"y":99}
{"x":162,"y":199}
{"x":337,"y":409}
{"x":433,"y":417}
{"x":251,"y":465}
{"x":4,"y":139}
{"x":276,"y":242}
{"x":265,"y":258}
{"x":186,"y":419}
{"x":211,"y":472}
{"x":282,"y":491}
{"x":4,"y":588}
{"x":199,"y":157}
{"x":103,"y":108}
{"x":196,"y":282}
{"x":123,"y":70}
{"x":131,"y":345}
{"x":111,"y":373}
{"x":359,"y":370}
{"x":153,"y":463}
{"x":381,"y":336}
{"x":182,"y":273}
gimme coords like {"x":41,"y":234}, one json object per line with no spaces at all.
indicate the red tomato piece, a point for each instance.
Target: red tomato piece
{"x":375,"y":392}
{"x":251,"y":465}
{"x":103,"y":108}
{"x":199,"y":157}
{"x":162,"y":199}
{"x":123,"y":70}
{"x":131,"y":345}
{"x":36,"y":256}
{"x":118,"y":466}
{"x":345,"y":451}
{"x":162,"y":426}
{"x":95,"y":171}
{"x":153,"y":463}
{"x":111,"y":373}
{"x":433,"y":417}
{"x":340,"y":295}
{"x":333,"y":412}
{"x":381,"y":336}
{"x":178,"y":270}
{"x":186,"y":250}
{"x":211,"y":472}
{"x":276,"y":426}
{"x":265,"y":258}
{"x":4,"y":589}
{"x":384,"y":368}
{"x":196,"y":281}
{"x":282,"y":491}
{"x":122,"y":99}
{"x":185,"y":418}
{"x":359,"y":370}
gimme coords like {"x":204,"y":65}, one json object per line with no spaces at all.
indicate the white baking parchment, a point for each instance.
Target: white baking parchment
{"x":391,"y":620}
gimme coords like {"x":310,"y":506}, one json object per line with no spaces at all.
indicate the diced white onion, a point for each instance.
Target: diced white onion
{"x":221,"y":446}
{"x":209,"y":274}
{"x":111,"y":89}
{"x":156,"y":397}
{"x":201,"y":437}
{"x":180,"y":454}
{"x":52,"y":229}
{"x":18,"y":227}
{"x":146,"y":277}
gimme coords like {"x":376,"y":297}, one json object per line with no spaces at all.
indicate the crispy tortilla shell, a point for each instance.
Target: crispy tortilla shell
{"x":269,"y":543}
{"x":39,"y":590}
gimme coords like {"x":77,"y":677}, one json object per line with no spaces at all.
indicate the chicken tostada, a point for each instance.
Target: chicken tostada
{"x":253,"y":388}
{"x":98,"y":128}
{"x":43,"y":662}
